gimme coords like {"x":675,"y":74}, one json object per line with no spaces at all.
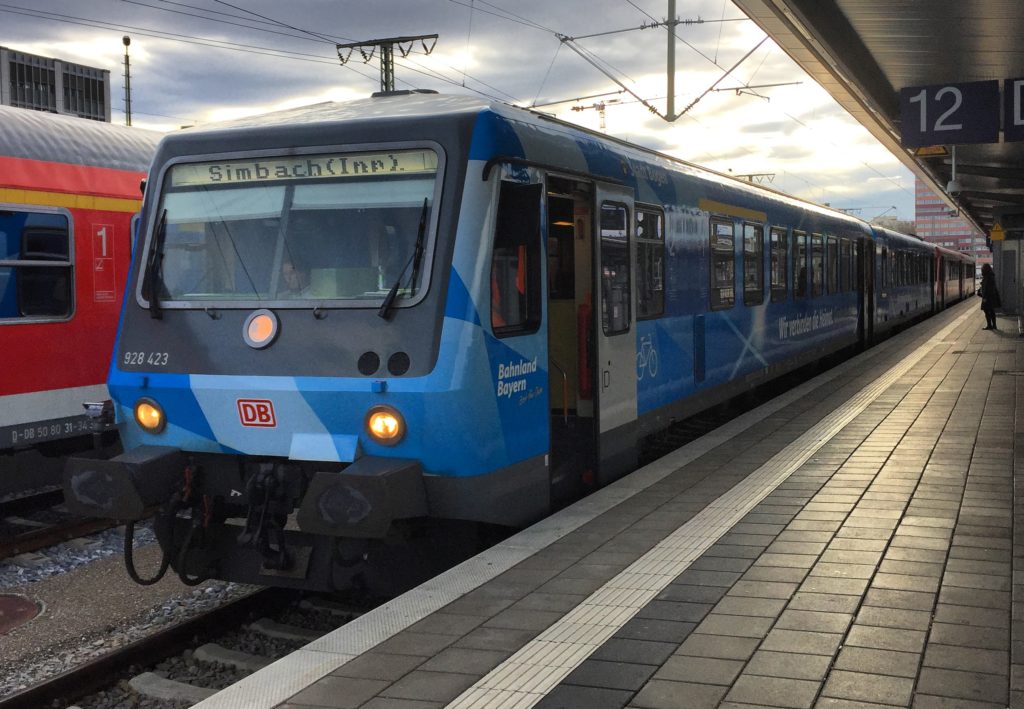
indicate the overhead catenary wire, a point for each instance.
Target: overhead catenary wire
{"x":264,"y":17}
{"x":476,"y":6}
{"x":469,"y":34}
{"x":220,"y":44}
{"x":427,"y":72}
{"x":218,"y":20}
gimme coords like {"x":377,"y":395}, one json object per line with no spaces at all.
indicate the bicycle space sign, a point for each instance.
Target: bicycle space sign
{"x":646,"y":358}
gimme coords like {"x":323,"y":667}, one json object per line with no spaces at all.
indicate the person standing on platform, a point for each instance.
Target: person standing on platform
{"x":989,"y":295}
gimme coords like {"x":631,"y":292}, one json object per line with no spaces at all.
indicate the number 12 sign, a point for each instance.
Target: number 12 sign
{"x":949,"y":114}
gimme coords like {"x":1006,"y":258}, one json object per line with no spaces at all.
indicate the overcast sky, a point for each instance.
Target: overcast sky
{"x":196,"y":61}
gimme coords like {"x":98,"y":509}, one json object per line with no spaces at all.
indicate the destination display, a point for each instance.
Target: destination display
{"x":305,"y":167}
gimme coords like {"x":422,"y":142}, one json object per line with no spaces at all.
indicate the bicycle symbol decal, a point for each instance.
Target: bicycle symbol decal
{"x":647,"y":358}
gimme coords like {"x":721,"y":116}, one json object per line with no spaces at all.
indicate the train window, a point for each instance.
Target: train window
{"x":817,"y":265}
{"x":753,"y":264}
{"x":832,"y":258}
{"x":801,"y":262}
{"x":845,"y":258}
{"x":650,"y":252}
{"x":36,"y":270}
{"x":854,"y":266}
{"x":723,"y":265}
{"x":615,"y":270}
{"x":779,"y":263}
{"x":298,"y":230}
{"x":515,"y":264}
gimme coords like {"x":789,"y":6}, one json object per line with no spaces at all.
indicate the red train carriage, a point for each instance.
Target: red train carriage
{"x":69,"y":188}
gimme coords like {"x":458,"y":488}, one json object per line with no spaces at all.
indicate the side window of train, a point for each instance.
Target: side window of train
{"x":723,"y":265}
{"x":650,"y":252}
{"x":832,"y":267}
{"x":801,"y":262}
{"x":36,"y":269}
{"x":615,"y":270}
{"x":753,"y":264}
{"x":817,"y":265}
{"x":845,"y":262}
{"x":516,"y":262}
{"x":779,"y":263}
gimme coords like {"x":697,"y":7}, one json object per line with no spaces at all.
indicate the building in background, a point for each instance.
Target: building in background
{"x":44,"y":84}
{"x":936,"y":226}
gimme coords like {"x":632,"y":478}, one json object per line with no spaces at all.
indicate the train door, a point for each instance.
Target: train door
{"x":940,"y":265}
{"x":571,"y":356}
{"x":866,"y":290}
{"x":932,"y":283}
{"x":615,"y":334}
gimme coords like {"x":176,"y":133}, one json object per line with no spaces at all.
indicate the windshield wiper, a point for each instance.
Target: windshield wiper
{"x":153,"y":267}
{"x":414,"y":260}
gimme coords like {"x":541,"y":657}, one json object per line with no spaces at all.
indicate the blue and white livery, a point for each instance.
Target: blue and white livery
{"x":351,"y":323}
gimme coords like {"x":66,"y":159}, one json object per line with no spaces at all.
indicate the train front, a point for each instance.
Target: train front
{"x":279,"y":347}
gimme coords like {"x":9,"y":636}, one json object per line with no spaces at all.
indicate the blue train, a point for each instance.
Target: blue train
{"x":351,"y":325}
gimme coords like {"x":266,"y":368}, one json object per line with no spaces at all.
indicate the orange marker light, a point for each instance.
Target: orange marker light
{"x":260,"y":329}
{"x":149,"y":415}
{"x":385,"y":425}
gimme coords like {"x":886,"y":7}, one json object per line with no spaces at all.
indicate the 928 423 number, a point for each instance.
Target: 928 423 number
{"x":154,"y":359}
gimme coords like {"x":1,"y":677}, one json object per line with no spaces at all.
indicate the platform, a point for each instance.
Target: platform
{"x":849,"y":544}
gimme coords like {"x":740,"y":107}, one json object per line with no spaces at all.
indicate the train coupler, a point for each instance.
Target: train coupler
{"x":270,"y":501}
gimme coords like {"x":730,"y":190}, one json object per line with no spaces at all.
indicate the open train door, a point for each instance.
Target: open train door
{"x":615,"y":334}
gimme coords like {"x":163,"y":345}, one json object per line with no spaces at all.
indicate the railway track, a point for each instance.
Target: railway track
{"x":134,"y":669}
{"x":37,"y":520}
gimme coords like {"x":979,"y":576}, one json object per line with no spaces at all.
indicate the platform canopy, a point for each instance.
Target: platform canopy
{"x":864,"y":52}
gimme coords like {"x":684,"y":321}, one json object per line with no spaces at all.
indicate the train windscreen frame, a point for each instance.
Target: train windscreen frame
{"x":334,"y":229}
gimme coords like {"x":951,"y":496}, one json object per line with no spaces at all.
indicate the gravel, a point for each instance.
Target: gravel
{"x":30,"y":671}
{"x":65,"y":557}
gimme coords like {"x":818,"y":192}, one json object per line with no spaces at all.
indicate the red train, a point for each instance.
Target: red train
{"x":69,"y":189}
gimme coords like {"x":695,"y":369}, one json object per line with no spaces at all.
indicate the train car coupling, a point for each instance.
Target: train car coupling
{"x":271,"y":494}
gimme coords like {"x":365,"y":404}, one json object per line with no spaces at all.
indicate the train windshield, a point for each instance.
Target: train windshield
{"x":298,"y":229}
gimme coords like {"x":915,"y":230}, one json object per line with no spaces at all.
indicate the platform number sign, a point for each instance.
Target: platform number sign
{"x":104,"y":283}
{"x":949,"y":114}
{"x":1013,"y":109}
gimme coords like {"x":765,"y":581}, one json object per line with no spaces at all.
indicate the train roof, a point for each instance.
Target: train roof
{"x":414,"y":104}
{"x":49,"y":137}
{"x":425,"y":104}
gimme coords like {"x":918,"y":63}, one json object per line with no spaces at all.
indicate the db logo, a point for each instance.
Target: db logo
{"x":257,"y":412}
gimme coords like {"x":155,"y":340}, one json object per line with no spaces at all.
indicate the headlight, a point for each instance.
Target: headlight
{"x":150,"y":416}
{"x":385,"y":425}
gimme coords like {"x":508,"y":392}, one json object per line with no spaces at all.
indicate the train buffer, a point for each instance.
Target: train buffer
{"x":850,"y":541}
